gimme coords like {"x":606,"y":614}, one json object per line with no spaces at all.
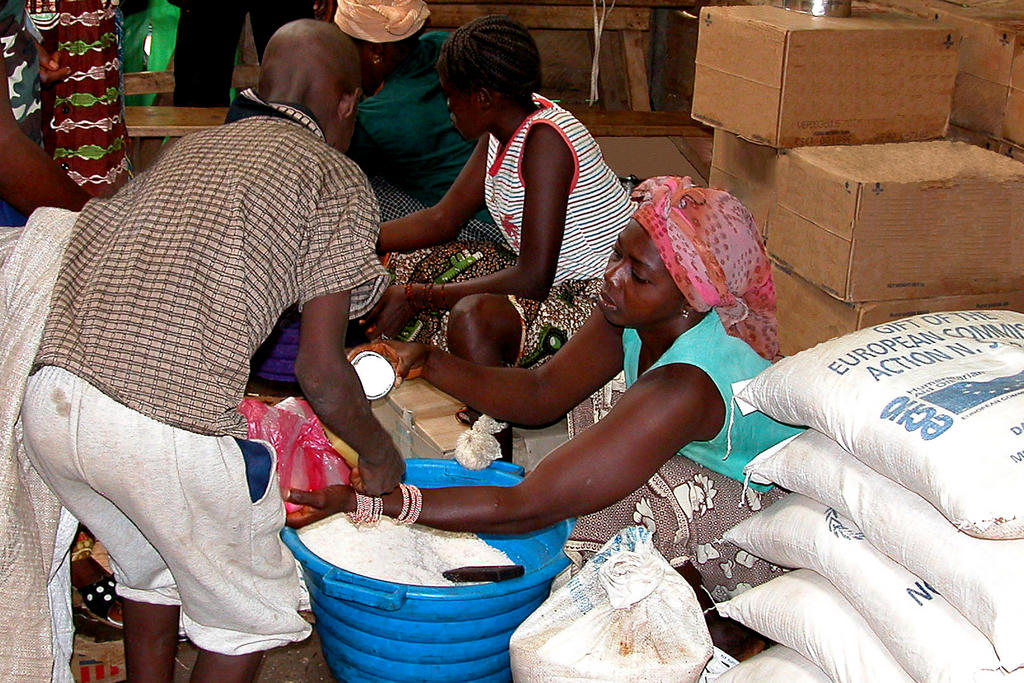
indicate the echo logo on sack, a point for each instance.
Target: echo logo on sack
{"x":917,"y":416}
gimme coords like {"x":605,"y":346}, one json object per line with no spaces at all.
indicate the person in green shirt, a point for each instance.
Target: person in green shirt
{"x":404,"y":138}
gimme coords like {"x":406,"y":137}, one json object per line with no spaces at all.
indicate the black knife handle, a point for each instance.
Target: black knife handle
{"x":491,"y":573}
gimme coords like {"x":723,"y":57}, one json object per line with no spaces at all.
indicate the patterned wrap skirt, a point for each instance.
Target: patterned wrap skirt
{"x":547,"y":324}
{"x":686,"y":506}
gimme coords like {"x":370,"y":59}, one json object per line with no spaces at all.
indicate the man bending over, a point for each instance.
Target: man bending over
{"x":163,"y":294}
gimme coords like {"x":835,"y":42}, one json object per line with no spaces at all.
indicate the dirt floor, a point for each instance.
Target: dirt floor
{"x":100,"y":659}
{"x":297,"y":663}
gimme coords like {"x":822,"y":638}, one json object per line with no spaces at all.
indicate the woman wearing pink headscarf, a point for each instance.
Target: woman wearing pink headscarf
{"x":687,"y":308}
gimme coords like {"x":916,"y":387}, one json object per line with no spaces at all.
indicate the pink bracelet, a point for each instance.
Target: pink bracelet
{"x":412,"y":504}
{"x":405,"y":503}
{"x":368,"y":509}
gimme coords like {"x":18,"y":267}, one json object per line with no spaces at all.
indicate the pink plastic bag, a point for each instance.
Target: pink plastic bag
{"x":305,"y":458}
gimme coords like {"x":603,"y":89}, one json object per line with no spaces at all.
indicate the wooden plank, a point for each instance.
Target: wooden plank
{"x":145,"y":82}
{"x":155,"y":122}
{"x":573,"y":17}
{"x":612,"y":87}
{"x":635,"y":58}
{"x":640,"y":123}
{"x":177,"y":121}
{"x":571,"y":3}
{"x":245,"y":76}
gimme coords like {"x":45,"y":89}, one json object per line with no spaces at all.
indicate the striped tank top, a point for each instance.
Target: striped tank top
{"x":598,"y":207}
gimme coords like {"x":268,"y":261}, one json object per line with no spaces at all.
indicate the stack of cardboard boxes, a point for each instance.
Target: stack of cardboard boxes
{"x":830,"y":129}
{"x":988,"y":101}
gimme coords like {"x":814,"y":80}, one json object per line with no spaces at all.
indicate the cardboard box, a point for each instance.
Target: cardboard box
{"x":747,"y":170}
{"x":646,"y":157}
{"x":808,"y":316}
{"x":989,"y":92}
{"x":996,"y":144}
{"x":900,"y":221}
{"x":421,"y":419}
{"x":990,"y":82}
{"x":789,"y":79}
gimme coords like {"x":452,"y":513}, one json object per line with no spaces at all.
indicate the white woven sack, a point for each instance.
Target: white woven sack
{"x":980,"y":578}
{"x":801,"y":610}
{"x":777,"y":663}
{"x":627,"y":615}
{"x":934,"y":401}
{"x":929,"y":638}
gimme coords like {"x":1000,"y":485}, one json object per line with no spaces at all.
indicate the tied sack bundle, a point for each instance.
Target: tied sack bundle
{"x":627,"y":615}
{"x":980,"y":578}
{"x":933,"y":401}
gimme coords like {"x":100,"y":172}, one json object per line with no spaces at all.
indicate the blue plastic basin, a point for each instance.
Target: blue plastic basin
{"x":372,"y":630}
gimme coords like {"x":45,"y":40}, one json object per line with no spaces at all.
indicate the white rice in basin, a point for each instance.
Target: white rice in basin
{"x":414,"y":555}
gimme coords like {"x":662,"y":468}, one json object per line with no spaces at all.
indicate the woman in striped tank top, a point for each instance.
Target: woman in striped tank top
{"x":542,"y":177}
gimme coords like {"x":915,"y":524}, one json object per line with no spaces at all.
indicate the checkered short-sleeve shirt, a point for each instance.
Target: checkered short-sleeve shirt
{"x":167,"y":289}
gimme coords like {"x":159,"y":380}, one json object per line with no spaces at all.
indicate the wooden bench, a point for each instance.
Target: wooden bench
{"x":162,"y":121}
{"x":156,"y":123}
{"x":628,"y":28}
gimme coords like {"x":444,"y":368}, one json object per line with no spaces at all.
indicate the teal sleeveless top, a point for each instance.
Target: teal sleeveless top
{"x":725,"y":359}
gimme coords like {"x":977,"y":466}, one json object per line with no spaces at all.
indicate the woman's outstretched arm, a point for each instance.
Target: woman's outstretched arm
{"x":534,"y":396}
{"x":664,"y":410}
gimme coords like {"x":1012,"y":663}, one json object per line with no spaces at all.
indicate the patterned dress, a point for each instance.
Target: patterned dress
{"x":686,"y":505}
{"x":84,"y":124}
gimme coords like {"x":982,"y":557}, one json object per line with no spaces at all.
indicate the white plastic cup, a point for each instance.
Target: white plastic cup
{"x":375,"y":372}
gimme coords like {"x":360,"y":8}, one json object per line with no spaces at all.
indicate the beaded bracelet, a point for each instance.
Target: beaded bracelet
{"x":428,"y":296}
{"x":409,"y":296}
{"x":368,"y":509}
{"x":406,"y":499}
{"x":412,"y":504}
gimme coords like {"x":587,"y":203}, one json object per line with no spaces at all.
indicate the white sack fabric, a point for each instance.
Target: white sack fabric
{"x":28,"y":523}
{"x":929,"y":638}
{"x":980,"y":578}
{"x":934,"y":401}
{"x":777,"y":663}
{"x":802,"y":610}
{"x":627,"y":615}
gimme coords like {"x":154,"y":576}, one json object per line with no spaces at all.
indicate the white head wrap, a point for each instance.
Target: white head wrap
{"x":381,"y":21}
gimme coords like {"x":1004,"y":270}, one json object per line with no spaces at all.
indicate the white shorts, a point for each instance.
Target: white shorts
{"x":173,"y":509}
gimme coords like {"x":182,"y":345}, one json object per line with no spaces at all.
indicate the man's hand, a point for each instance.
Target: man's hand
{"x":50,"y":70}
{"x":317,"y":505}
{"x":390,"y":314}
{"x":377,"y":479}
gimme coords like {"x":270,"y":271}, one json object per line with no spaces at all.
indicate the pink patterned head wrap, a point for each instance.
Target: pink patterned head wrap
{"x":712,"y":249}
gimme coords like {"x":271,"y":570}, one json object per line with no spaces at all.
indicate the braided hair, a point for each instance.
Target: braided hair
{"x":494,"y":52}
